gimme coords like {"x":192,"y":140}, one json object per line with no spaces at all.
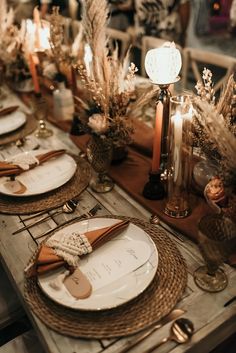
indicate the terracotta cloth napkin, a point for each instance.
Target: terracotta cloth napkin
{"x":7,"y":169}
{"x":47,"y":260}
{"x":8,"y":110}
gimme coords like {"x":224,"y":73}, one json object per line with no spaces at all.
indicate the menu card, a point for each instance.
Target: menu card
{"x":114,"y":260}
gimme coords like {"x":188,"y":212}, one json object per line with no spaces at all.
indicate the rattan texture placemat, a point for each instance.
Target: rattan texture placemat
{"x":55,"y":198}
{"x":149,"y":307}
{"x":26,"y":129}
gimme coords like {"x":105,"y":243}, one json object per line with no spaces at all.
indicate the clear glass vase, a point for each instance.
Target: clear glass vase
{"x":99,"y":154}
{"x":179,"y":157}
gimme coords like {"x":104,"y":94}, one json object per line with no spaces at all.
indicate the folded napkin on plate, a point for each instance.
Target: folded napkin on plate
{"x":23,"y":162}
{"x":67,"y":250}
{"x":8,"y":110}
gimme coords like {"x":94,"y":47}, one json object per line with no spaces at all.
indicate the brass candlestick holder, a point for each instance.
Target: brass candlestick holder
{"x":162,"y":65}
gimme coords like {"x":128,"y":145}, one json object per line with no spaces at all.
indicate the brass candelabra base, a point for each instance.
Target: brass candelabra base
{"x":43,"y":131}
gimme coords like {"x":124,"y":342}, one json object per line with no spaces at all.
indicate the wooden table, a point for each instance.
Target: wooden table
{"x":213,"y":322}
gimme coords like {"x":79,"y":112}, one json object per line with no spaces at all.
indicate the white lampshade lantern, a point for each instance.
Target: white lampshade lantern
{"x":163,"y":64}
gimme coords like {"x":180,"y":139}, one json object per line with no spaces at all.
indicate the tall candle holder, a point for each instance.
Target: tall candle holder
{"x":179,"y":157}
{"x":162,"y":66}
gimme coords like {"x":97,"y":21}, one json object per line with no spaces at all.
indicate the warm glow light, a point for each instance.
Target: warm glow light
{"x":37,"y":38}
{"x":163,"y":64}
{"x":88,"y":57}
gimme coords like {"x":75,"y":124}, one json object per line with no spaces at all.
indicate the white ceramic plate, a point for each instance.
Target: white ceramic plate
{"x":12,"y":121}
{"x":116,"y":293}
{"x":43,"y":178}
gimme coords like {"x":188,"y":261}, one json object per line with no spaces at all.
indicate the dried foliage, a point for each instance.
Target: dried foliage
{"x":215,"y":126}
{"x":9,"y":34}
{"x":57,"y":54}
{"x":108,"y":84}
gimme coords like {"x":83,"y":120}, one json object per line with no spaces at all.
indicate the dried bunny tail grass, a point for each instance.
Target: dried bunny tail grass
{"x":218,"y":134}
{"x":224,"y":104}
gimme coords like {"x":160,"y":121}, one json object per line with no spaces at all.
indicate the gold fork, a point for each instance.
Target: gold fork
{"x":91,"y":213}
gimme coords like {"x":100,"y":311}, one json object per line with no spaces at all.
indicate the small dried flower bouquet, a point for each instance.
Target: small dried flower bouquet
{"x":105,"y":110}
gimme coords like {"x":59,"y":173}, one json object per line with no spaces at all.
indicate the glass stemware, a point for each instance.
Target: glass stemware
{"x":40,"y":110}
{"x":99,"y":154}
{"x":217,"y":241}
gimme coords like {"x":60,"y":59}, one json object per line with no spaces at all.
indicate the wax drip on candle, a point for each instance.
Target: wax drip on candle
{"x":178,"y":129}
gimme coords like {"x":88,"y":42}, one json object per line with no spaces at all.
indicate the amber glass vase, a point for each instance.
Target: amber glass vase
{"x":99,"y":154}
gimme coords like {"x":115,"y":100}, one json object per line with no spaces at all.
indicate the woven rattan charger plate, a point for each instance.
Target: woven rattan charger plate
{"x":149,"y":307}
{"x":26,"y":129}
{"x":52,"y":199}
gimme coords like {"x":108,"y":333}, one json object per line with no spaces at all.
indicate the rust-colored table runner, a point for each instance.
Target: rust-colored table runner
{"x":132,"y":174}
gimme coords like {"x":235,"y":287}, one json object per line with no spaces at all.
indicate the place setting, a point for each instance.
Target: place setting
{"x":42,"y":179}
{"x":15,"y":124}
{"x":123,"y":268}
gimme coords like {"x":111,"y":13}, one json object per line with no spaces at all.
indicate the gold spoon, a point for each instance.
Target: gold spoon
{"x":181,"y":331}
{"x":68,"y":207}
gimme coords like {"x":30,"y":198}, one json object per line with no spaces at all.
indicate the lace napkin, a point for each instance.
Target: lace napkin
{"x":67,"y":251}
{"x":23,"y":162}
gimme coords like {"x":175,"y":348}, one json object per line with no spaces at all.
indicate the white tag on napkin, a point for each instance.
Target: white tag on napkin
{"x":114,"y":260}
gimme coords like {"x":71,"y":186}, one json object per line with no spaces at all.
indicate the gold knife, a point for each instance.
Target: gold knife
{"x":168,"y":318}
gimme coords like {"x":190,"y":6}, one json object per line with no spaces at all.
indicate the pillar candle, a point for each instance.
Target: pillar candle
{"x":178,"y":130}
{"x":34,"y":74}
{"x":36,"y":17}
{"x":156,"y":155}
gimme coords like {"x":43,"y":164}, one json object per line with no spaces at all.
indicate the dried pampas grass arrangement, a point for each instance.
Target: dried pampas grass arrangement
{"x":108,"y":85}
{"x":215,"y":126}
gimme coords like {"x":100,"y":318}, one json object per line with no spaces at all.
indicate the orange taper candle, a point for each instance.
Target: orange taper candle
{"x":34,"y":74}
{"x":156,"y":154}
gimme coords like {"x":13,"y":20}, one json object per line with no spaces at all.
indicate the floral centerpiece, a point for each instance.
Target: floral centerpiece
{"x":215,"y":134}
{"x":12,"y":61}
{"x":105,"y":104}
{"x":215,"y":125}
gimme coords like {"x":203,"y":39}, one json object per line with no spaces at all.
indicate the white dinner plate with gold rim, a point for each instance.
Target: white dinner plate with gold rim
{"x":43,"y":178}
{"x":12,"y":122}
{"x":115,"y":293}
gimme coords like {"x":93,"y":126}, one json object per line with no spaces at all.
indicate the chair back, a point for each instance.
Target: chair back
{"x":222,"y":66}
{"x":120,"y":38}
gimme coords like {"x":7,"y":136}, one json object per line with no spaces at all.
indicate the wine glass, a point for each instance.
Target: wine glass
{"x":40,"y":109}
{"x":217,"y":241}
{"x":99,"y":154}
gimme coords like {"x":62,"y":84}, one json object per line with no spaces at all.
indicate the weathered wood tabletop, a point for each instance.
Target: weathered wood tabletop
{"x":213,"y":321}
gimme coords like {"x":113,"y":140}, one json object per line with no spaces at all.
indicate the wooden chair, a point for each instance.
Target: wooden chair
{"x":123,"y":40}
{"x":148,"y":43}
{"x":10,"y":307}
{"x":67,"y":30}
{"x":75,"y":28}
{"x":26,"y":343}
{"x":222,"y":66}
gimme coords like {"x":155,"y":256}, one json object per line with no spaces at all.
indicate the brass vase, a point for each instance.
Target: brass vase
{"x":99,"y":154}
